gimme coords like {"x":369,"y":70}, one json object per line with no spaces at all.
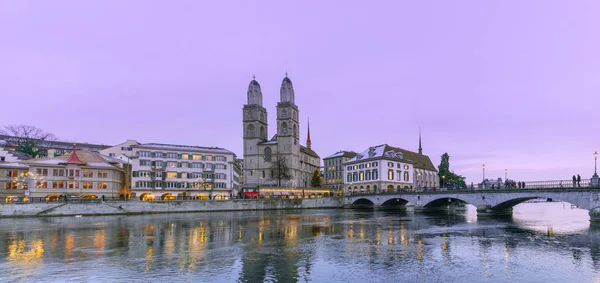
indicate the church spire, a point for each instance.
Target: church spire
{"x":420,"y":148}
{"x":308,"y":142}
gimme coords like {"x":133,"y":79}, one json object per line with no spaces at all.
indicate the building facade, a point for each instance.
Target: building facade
{"x":384,"y":168}
{"x":168,"y":172}
{"x":80,"y":174}
{"x":333,"y":171}
{"x":260,"y":153}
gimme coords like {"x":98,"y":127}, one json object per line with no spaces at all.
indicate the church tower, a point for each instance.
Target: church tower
{"x":287,"y":125}
{"x":255,"y":131}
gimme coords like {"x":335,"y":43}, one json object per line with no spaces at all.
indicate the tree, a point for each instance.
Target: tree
{"x":279,"y":169}
{"x":451,"y":179}
{"x":315,"y":181}
{"x":26,"y":138}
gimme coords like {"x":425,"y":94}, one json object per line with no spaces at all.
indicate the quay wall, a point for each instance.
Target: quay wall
{"x":143,"y":207}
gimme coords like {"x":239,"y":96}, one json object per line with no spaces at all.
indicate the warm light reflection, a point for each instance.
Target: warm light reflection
{"x":17,"y":252}
{"x":420,"y":250}
{"x":100,"y":240}
{"x":390,"y":237}
{"x":69,"y":245}
{"x":149,"y":258}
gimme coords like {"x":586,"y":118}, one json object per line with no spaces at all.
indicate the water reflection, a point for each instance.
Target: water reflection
{"x":318,"y":245}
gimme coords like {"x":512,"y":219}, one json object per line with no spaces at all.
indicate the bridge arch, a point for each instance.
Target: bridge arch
{"x":363,"y":202}
{"x":394,"y":202}
{"x":443,"y":201}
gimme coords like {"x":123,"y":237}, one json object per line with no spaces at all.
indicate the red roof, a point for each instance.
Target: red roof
{"x":74,"y":159}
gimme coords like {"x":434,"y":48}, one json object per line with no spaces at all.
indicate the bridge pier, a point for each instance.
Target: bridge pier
{"x":594,"y":214}
{"x":487,"y":210}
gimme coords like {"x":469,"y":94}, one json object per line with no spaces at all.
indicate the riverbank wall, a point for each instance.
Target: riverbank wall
{"x":151,"y":207}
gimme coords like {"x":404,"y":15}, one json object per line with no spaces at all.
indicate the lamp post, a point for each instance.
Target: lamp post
{"x":483,"y":181}
{"x":505,"y":175}
{"x":595,"y":163}
{"x":443,"y":181}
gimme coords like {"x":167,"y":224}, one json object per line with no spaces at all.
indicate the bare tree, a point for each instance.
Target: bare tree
{"x":279,"y":169}
{"x":26,"y":138}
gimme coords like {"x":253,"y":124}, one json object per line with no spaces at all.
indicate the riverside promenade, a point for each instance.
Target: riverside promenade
{"x":98,"y":207}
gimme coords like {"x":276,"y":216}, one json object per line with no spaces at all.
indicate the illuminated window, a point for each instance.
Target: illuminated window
{"x":391,"y":173}
{"x":41,"y":185}
{"x":171,"y":174}
{"x":361,"y":177}
{"x":58,"y":185}
{"x":196,"y":157}
{"x":102,"y":174}
{"x":102,"y":186}
{"x":405,"y":167}
{"x":87,"y":174}
{"x":73,"y":185}
{"x":87,"y":185}
{"x":406,"y":176}
{"x":185,"y":156}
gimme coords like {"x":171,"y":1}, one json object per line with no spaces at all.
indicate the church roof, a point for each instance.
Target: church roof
{"x":419,"y":161}
{"x":308,"y":151}
{"x":272,"y":141}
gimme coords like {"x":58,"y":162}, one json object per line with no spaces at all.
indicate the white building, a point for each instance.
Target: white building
{"x":384,"y":168}
{"x":260,"y":152}
{"x":167,"y":171}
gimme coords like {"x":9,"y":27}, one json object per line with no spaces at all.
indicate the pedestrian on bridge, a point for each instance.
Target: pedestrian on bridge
{"x":578,"y":180}
{"x":574,"y":181}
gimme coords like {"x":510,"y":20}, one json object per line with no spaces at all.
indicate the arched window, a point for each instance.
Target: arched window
{"x":284,"y":128}
{"x":250,"y":131}
{"x":267,"y":154}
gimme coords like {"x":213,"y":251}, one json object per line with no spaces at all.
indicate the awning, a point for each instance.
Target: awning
{"x":285,"y":193}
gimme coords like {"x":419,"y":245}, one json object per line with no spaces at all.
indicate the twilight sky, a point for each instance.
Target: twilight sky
{"x":512,"y":84}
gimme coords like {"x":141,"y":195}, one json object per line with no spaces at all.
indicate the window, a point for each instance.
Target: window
{"x":58,"y":185}
{"x":354,"y":176}
{"x":12,"y":185}
{"x":391,"y":164}
{"x":355,"y":167}
{"x":2,"y":158}
{"x":391,"y":173}
{"x":267,"y":156}
{"x":102,"y":174}
{"x":361,"y":176}
{"x":397,"y":165}
{"x":405,"y":167}
{"x":12,"y":173}
{"x":406,"y":175}
{"x":221,"y":158}
{"x":185,"y":156}
{"x":349,"y":178}
{"x":73,"y":173}
{"x":196,"y":157}
{"x":375,"y":175}
{"x":368,"y":175}
{"x":374,"y":164}
{"x":144,"y":153}
{"x":368,"y":165}
{"x":349,"y":168}
{"x":87,"y":174}
{"x":145,"y":163}
{"x":171,"y":174}
{"x":399,"y":175}
{"x":361,"y":166}
{"x":87,"y":185}
{"x":172,"y":155}
{"x":171,"y":164}
{"x":41,"y":185}
{"x":42,"y":172}
{"x":73,"y":185}
{"x":102,"y":186}
{"x":221,"y":166}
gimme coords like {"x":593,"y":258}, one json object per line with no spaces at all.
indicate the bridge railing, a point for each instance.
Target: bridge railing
{"x":584,"y":183}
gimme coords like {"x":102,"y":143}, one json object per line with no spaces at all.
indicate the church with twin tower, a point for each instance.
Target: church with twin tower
{"x":260,"y":152}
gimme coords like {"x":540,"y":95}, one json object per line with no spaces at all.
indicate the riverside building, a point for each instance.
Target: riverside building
{"x":333,"y":171}
{"x":384,"y":168}
{"x":169,"y":172}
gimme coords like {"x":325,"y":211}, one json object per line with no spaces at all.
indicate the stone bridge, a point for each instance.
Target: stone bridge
{"x":487,"y":202}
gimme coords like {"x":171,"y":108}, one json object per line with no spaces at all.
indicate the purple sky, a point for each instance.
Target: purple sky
{"x":512,"y":84}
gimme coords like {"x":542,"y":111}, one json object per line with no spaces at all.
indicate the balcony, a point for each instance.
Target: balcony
{"x":208,"y":169}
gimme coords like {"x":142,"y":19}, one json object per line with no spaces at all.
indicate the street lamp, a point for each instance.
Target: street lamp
{"x":443,"y":180}
{"x":505,"y":175}
{"x":483,"y":166}
{"x":595,"y":163}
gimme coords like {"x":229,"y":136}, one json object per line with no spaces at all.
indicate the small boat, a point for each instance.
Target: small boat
{"x":78,"y":215}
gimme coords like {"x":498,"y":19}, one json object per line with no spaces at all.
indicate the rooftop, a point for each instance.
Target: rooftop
{"x":342,"y":153}
{"x":419,"y":161}
{"x":183,"y":148}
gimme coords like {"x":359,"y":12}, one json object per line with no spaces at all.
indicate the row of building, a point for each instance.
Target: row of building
{"x":152,"y":171}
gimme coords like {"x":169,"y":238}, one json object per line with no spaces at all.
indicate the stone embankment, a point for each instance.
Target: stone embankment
{"x":139,"y":207}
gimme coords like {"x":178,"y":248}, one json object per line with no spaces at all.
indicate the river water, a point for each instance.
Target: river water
{"x":541,"y":242}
